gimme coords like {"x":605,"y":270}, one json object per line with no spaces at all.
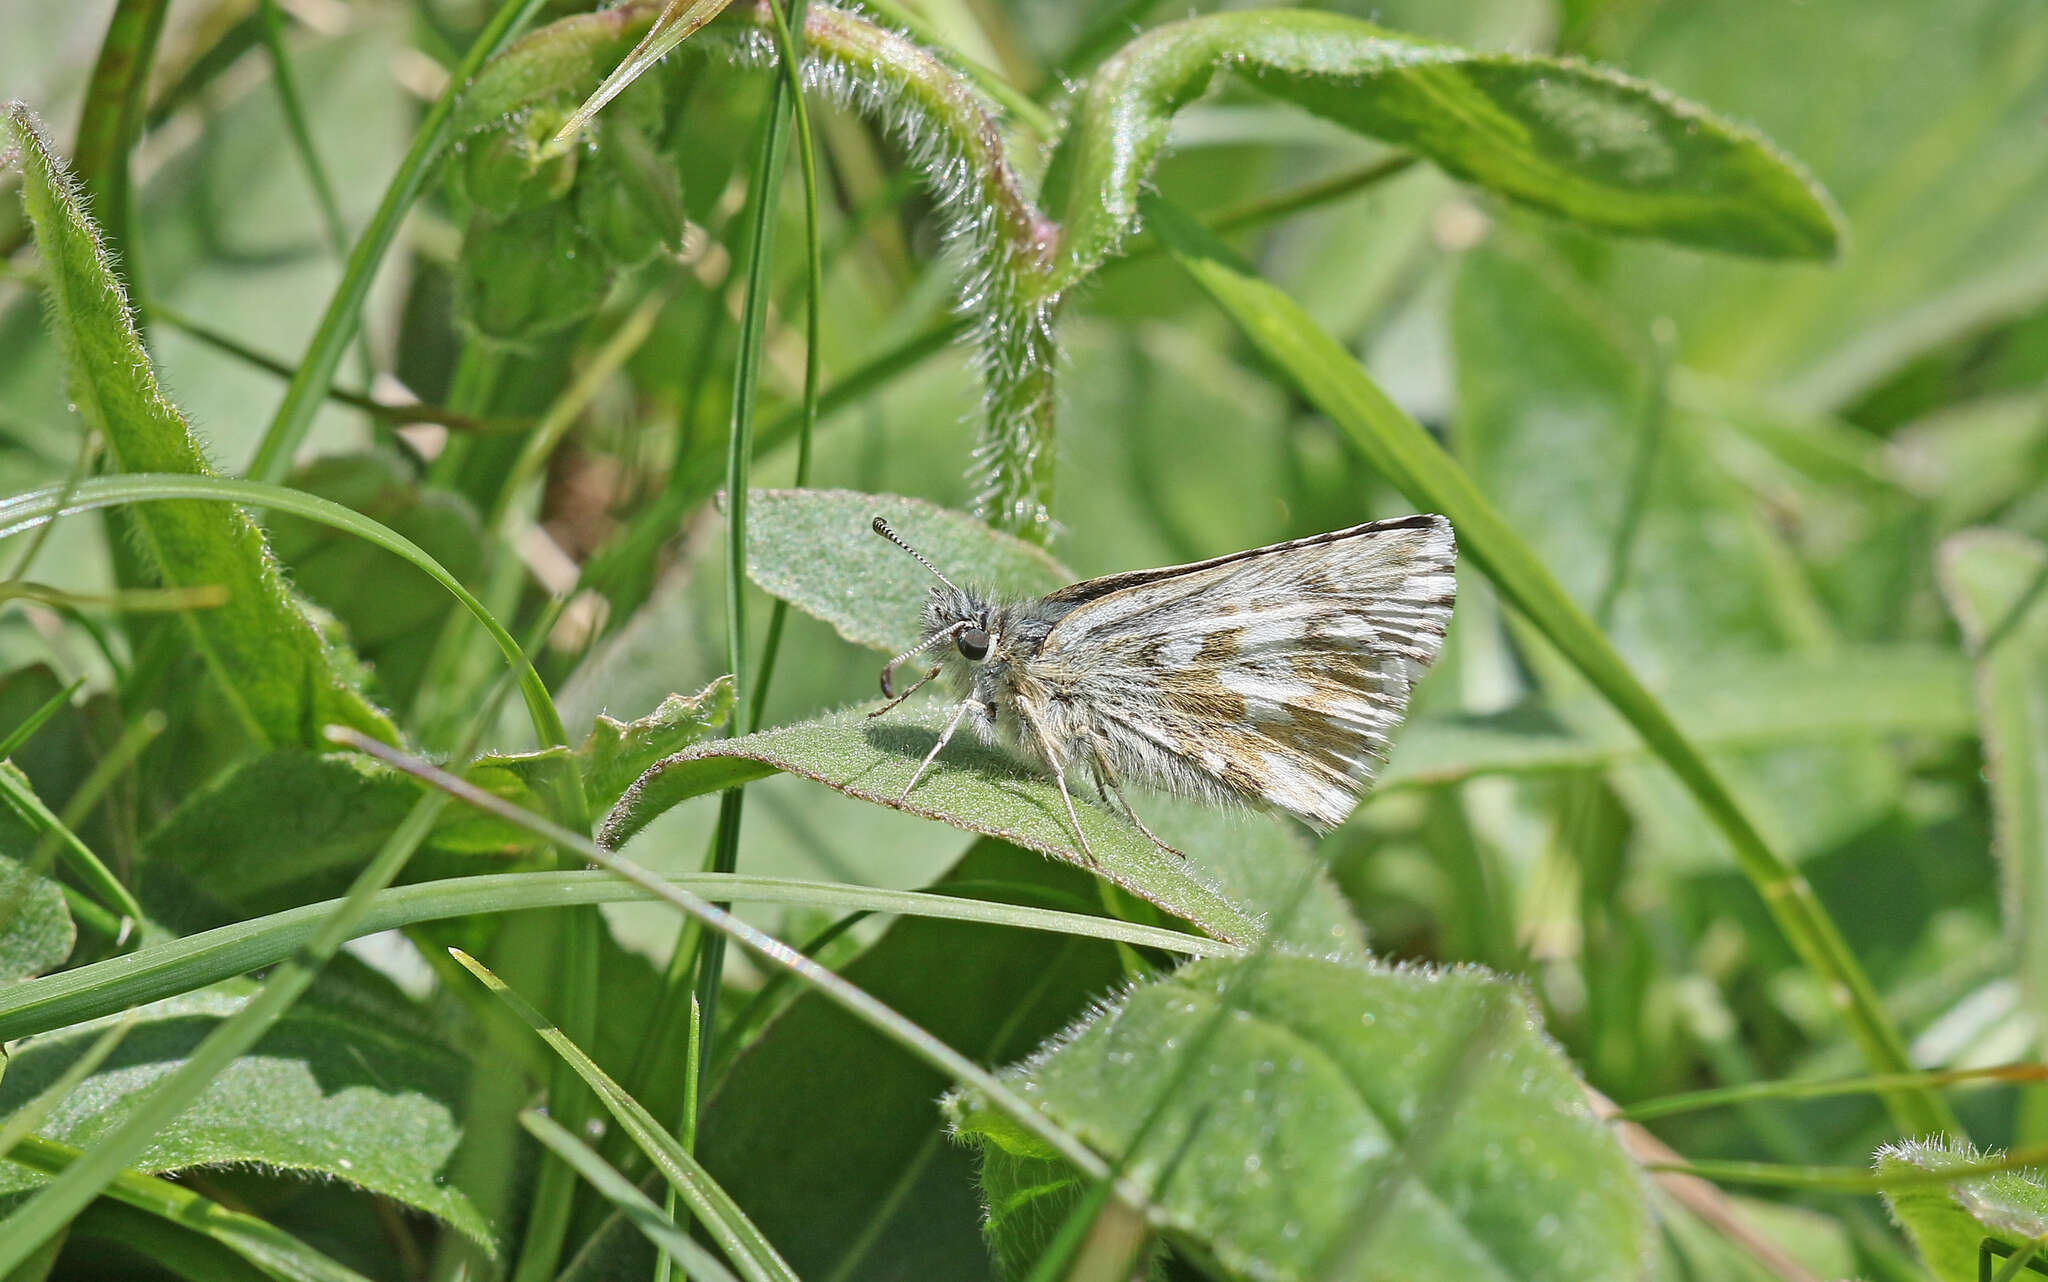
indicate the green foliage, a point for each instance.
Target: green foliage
{"x":1726,"y":772}
{"x":974,"y":788}
{"x":1349,"y":1118}
{"x":36,"y":932}
{"x":324,"y":1093}
{"x":1949,"y":1221}
{"x":1997,"y":585}
{"x":280,"y":676}
{"x":816,"y":550}
{"x":1602,"y":149}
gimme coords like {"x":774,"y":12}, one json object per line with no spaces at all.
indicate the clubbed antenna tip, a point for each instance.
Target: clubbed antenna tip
{"x":882,"y":528}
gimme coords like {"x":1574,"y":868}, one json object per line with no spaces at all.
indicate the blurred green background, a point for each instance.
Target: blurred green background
{"x":1746,"y":470}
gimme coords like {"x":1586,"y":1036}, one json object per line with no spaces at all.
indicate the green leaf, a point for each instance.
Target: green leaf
{"x":851,"y":1170}
{"x":278,"y":830}
{"x":1948,"y":1221}
{"x":1996,"y":583}
{"x":1398,"y":448}
{"x":279,"y":674}
{"x":1352,"y":1119}
{"x":322,"y":1093}
{"x":287,"y":827}
{"x":817,"y":550}
{"x":611,"y":757}
{"x":36,"y":932}
{"x":193,"y":1236}
{"x":972,"y":787}
{"x":1595,"y":146}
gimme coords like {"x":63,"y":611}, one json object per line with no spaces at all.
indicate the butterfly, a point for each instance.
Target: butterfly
{"x":1273,"y":677}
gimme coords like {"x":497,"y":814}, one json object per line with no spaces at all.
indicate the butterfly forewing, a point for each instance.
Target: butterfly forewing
{"x":1275,"y":675}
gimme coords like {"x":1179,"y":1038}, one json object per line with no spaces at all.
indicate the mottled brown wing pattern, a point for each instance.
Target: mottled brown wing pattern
{"x":1275,"y":676}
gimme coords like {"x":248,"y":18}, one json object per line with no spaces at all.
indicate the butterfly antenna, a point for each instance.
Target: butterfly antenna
{"x":882,"y":528}
{"x":935,"y":638}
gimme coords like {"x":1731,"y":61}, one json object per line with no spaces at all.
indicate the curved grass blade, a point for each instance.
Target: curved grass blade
{"x":194,"y":961}
{"x":617,"y":1189}
{"x":25,"y":511}
{"x":1332,"y":380}
{"x":749,"y":1250}
{"x":281,"y":677}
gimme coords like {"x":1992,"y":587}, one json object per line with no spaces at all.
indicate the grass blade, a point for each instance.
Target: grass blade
{"x":854,"y":1001}
{"x":25,"y":511}
{"x":744,"y":1244}
{"x":194,"y":961}
{"x":644,"y":1214}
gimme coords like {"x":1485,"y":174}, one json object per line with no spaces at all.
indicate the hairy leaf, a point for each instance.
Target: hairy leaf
{"x":1346,"y":1119}
{"x":324,"y":1093}
{"x":36,"y":932}
{"x":1595,"y":146}
{"x":972,"y":787}
{"x":1948,"y":1221}
{"x":282,"y":679}
{"x":817,"y":550}
{"x":1997,"y":586}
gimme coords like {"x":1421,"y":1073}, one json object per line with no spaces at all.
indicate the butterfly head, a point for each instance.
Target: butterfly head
{"x":954,"y":619}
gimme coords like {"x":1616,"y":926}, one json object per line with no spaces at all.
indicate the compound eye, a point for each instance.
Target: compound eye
{"x":974,"y":644}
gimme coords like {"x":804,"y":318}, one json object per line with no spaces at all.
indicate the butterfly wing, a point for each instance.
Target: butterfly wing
{"x":1275,"y":676}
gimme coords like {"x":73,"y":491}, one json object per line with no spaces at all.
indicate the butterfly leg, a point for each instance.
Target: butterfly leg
{"x":1109,"y":781}
{"x":937,"y":748}
{"x":1059,"y":773}
{"x":894,"y":703}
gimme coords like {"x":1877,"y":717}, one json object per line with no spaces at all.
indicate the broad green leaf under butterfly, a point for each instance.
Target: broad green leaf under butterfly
{"x":325,"y":1093}
{"x":280,"y":676}
{"x":1949,"y":1221}
{"x":1349,"y":1119}
{"x":817,"y":550}
{"x":1996,"y":583}
{"x":971,"y":786}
